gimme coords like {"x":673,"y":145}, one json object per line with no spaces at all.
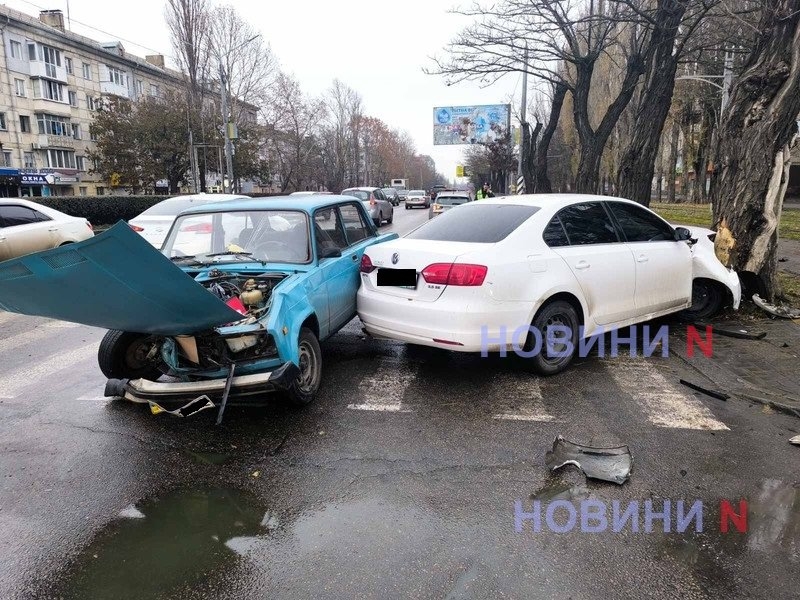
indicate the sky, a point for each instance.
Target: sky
{"x":378,"y":48}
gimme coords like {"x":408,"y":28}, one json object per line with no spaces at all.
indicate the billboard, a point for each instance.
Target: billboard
{"x":470,"y":124}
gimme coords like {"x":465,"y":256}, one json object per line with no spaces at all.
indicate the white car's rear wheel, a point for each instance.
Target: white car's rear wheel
{"x":554,"y":357}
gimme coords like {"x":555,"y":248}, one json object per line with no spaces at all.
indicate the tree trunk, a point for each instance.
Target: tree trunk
{"x":673,"y":161}
{"x":751,"y":163}
{"x":635,"y":177}
{"x":542,"y":185}
{"x":528,"y":149}
{"x":701,"y":155}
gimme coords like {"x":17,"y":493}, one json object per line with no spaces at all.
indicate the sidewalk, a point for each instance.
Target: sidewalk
{"x":764,"y":370}
{"x":790,"y":250}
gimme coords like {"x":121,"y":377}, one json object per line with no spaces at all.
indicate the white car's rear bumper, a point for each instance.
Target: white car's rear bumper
{"x":472,"y":327}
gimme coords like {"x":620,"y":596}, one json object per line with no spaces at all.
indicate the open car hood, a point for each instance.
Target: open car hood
{"x":115,"y":280}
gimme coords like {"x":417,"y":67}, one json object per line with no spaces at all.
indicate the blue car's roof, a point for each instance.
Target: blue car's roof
{"x":305,"y":203}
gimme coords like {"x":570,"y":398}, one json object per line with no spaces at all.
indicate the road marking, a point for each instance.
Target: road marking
{"x":15,"y":382}
{"x":384,"y":390}
{"x":522,"y":399}
{"x":664,"y":404}
{"x":33,"y":335}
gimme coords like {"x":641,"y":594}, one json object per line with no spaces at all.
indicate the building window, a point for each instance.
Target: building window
{"x":76,"y":131}
{"x":83,"y":191}
{"x":101,"y":190}
{"x":92,"y":135}
{"x":32,"y":52}
{"x":87,"y":71}
{"x":91,"y":103}
{"x":25,"y":123}
{"x":68,"y":64}
{"x":153,"y":89}
{"x":6,"y":158}
{"x":61,"y":159}
{"x":3,"y":121}
{"x":29,"y":160}
{"x":140,"y":87}
{"x":16,"y":50}
{"x":73,"y":98}
{"x":53,"y":125}
{"x":81,"y":164}
{"x":52,"y":90}
{"x":116,"y":76}
{"x":19,"y":87}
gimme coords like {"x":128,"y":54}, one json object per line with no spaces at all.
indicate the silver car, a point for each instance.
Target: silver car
{"x":375,"y":201}
{"x":446,"y":200}
{"x":418,"y":198}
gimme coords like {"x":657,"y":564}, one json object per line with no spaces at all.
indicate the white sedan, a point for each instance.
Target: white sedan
{"x":27,"y":227}
{"x":471,"y":278}
{"x":154,"y":223}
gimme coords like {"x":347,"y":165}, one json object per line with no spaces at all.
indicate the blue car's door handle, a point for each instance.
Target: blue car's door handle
{"x":354,"y":257}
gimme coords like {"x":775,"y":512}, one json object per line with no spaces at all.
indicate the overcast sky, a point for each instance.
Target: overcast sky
{"x":378,"y":48}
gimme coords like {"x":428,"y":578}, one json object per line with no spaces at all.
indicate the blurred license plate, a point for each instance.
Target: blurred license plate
{"x":404,"y":278}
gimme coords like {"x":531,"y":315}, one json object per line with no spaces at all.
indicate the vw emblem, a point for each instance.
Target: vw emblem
{"x":395,"y":258}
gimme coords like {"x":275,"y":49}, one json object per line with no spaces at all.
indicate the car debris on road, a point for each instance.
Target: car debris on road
{"x":607,"y":464}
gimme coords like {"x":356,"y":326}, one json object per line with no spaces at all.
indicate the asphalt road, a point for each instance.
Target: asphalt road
{"x":399,"y":481}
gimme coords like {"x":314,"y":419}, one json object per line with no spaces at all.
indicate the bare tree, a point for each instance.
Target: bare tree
{"x":248,"y":61}
{"x":188,"y":24}
{"x":752,"y":159}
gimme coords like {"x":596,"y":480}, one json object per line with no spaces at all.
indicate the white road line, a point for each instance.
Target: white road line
{"x":33,"y":335}
{"x":664,"y":403}
{"x":15,"y":382}
{"x":384,"y":390}
{"x":522,"y":399}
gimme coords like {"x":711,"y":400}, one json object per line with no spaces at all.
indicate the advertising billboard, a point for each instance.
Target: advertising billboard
{"x":470,"y":124}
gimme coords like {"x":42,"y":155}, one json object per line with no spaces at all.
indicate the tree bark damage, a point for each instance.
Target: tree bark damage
{"x":751,"y":162}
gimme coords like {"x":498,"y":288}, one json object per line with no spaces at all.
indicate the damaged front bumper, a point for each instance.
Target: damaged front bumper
{"x":244,"y":389}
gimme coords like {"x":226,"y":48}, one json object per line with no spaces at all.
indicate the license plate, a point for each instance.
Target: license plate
{"x":403,"y":278}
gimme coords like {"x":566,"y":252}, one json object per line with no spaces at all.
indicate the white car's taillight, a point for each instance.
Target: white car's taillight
{"x":455,"y":274}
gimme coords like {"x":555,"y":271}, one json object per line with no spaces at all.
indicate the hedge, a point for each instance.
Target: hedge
{"x":107,"y":210}
{"x":101,"y":209}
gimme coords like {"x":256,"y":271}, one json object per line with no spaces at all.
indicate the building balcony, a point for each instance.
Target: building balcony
{"x":48,"y":71}
{"x":114,"y":89}
{"x":45,"y":141}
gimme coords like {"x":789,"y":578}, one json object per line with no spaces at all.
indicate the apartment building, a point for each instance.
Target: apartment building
{"x":51,"y":81}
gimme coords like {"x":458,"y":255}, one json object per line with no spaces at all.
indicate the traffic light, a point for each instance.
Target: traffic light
{"x":459,"y":170}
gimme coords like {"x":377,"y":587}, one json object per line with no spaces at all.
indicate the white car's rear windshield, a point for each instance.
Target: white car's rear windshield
{"x":360,"y":194}
{"x":416,"y":193}
{"x":475,"y":222}
{"x":451,"y":200}
{"x":173,"y":206}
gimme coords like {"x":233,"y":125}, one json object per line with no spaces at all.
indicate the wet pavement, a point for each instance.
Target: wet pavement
{"x":399,"y":481}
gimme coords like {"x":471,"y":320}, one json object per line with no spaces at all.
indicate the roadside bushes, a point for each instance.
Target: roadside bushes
{"x":101,"y":210}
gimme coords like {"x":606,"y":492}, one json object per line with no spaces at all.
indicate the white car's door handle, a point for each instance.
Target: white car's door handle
{"x":642,"y":258}
{"x":581,"y":265}
{"x":52,"y":229}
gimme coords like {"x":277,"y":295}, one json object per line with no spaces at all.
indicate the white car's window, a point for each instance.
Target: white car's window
{"x":640,"y":225}
{"x":588,"y":223}
{"x":13,"y":215}
{"x":475,"y":222}
{"x":360,"y":194}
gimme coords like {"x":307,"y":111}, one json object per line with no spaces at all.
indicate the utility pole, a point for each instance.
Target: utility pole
{"x":523,"y":150}
{"x":227,"y":184}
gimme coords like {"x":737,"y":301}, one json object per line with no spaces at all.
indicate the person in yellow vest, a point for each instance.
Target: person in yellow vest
{"x":484,"y":192}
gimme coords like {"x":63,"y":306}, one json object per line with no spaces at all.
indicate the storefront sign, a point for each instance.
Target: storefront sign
{"x":30,"y":179}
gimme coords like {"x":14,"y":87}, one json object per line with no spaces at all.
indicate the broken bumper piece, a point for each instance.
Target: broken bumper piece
{"x":607,"y":464}
{"x":245,"y":389}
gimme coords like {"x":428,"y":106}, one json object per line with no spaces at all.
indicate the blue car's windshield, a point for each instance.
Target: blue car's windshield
{"x":264,"y":235}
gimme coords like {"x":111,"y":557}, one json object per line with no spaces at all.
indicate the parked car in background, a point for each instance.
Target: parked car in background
{"x":154,"y":223}
{"x":247,"y":311}
{"x":403,"y":195}
{"x":418,"y":198}
{"x":486,"y":270}
{"x":446,"y":200}
{"x":392,"y":196}
{"x":375,"y":201}
{"x":27,"y":227}
{"x":435,"y":190}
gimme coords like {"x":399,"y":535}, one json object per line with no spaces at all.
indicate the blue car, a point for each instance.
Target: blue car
{"x":232,"y":306}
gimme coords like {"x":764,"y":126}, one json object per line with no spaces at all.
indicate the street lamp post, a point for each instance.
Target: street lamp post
{"x":227,"y":186}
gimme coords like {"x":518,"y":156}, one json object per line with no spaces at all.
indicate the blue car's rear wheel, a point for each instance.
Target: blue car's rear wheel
{"x":303,"y":388}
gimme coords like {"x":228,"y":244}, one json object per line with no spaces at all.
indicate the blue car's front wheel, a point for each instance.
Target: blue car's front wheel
{"x":302,"y":389}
